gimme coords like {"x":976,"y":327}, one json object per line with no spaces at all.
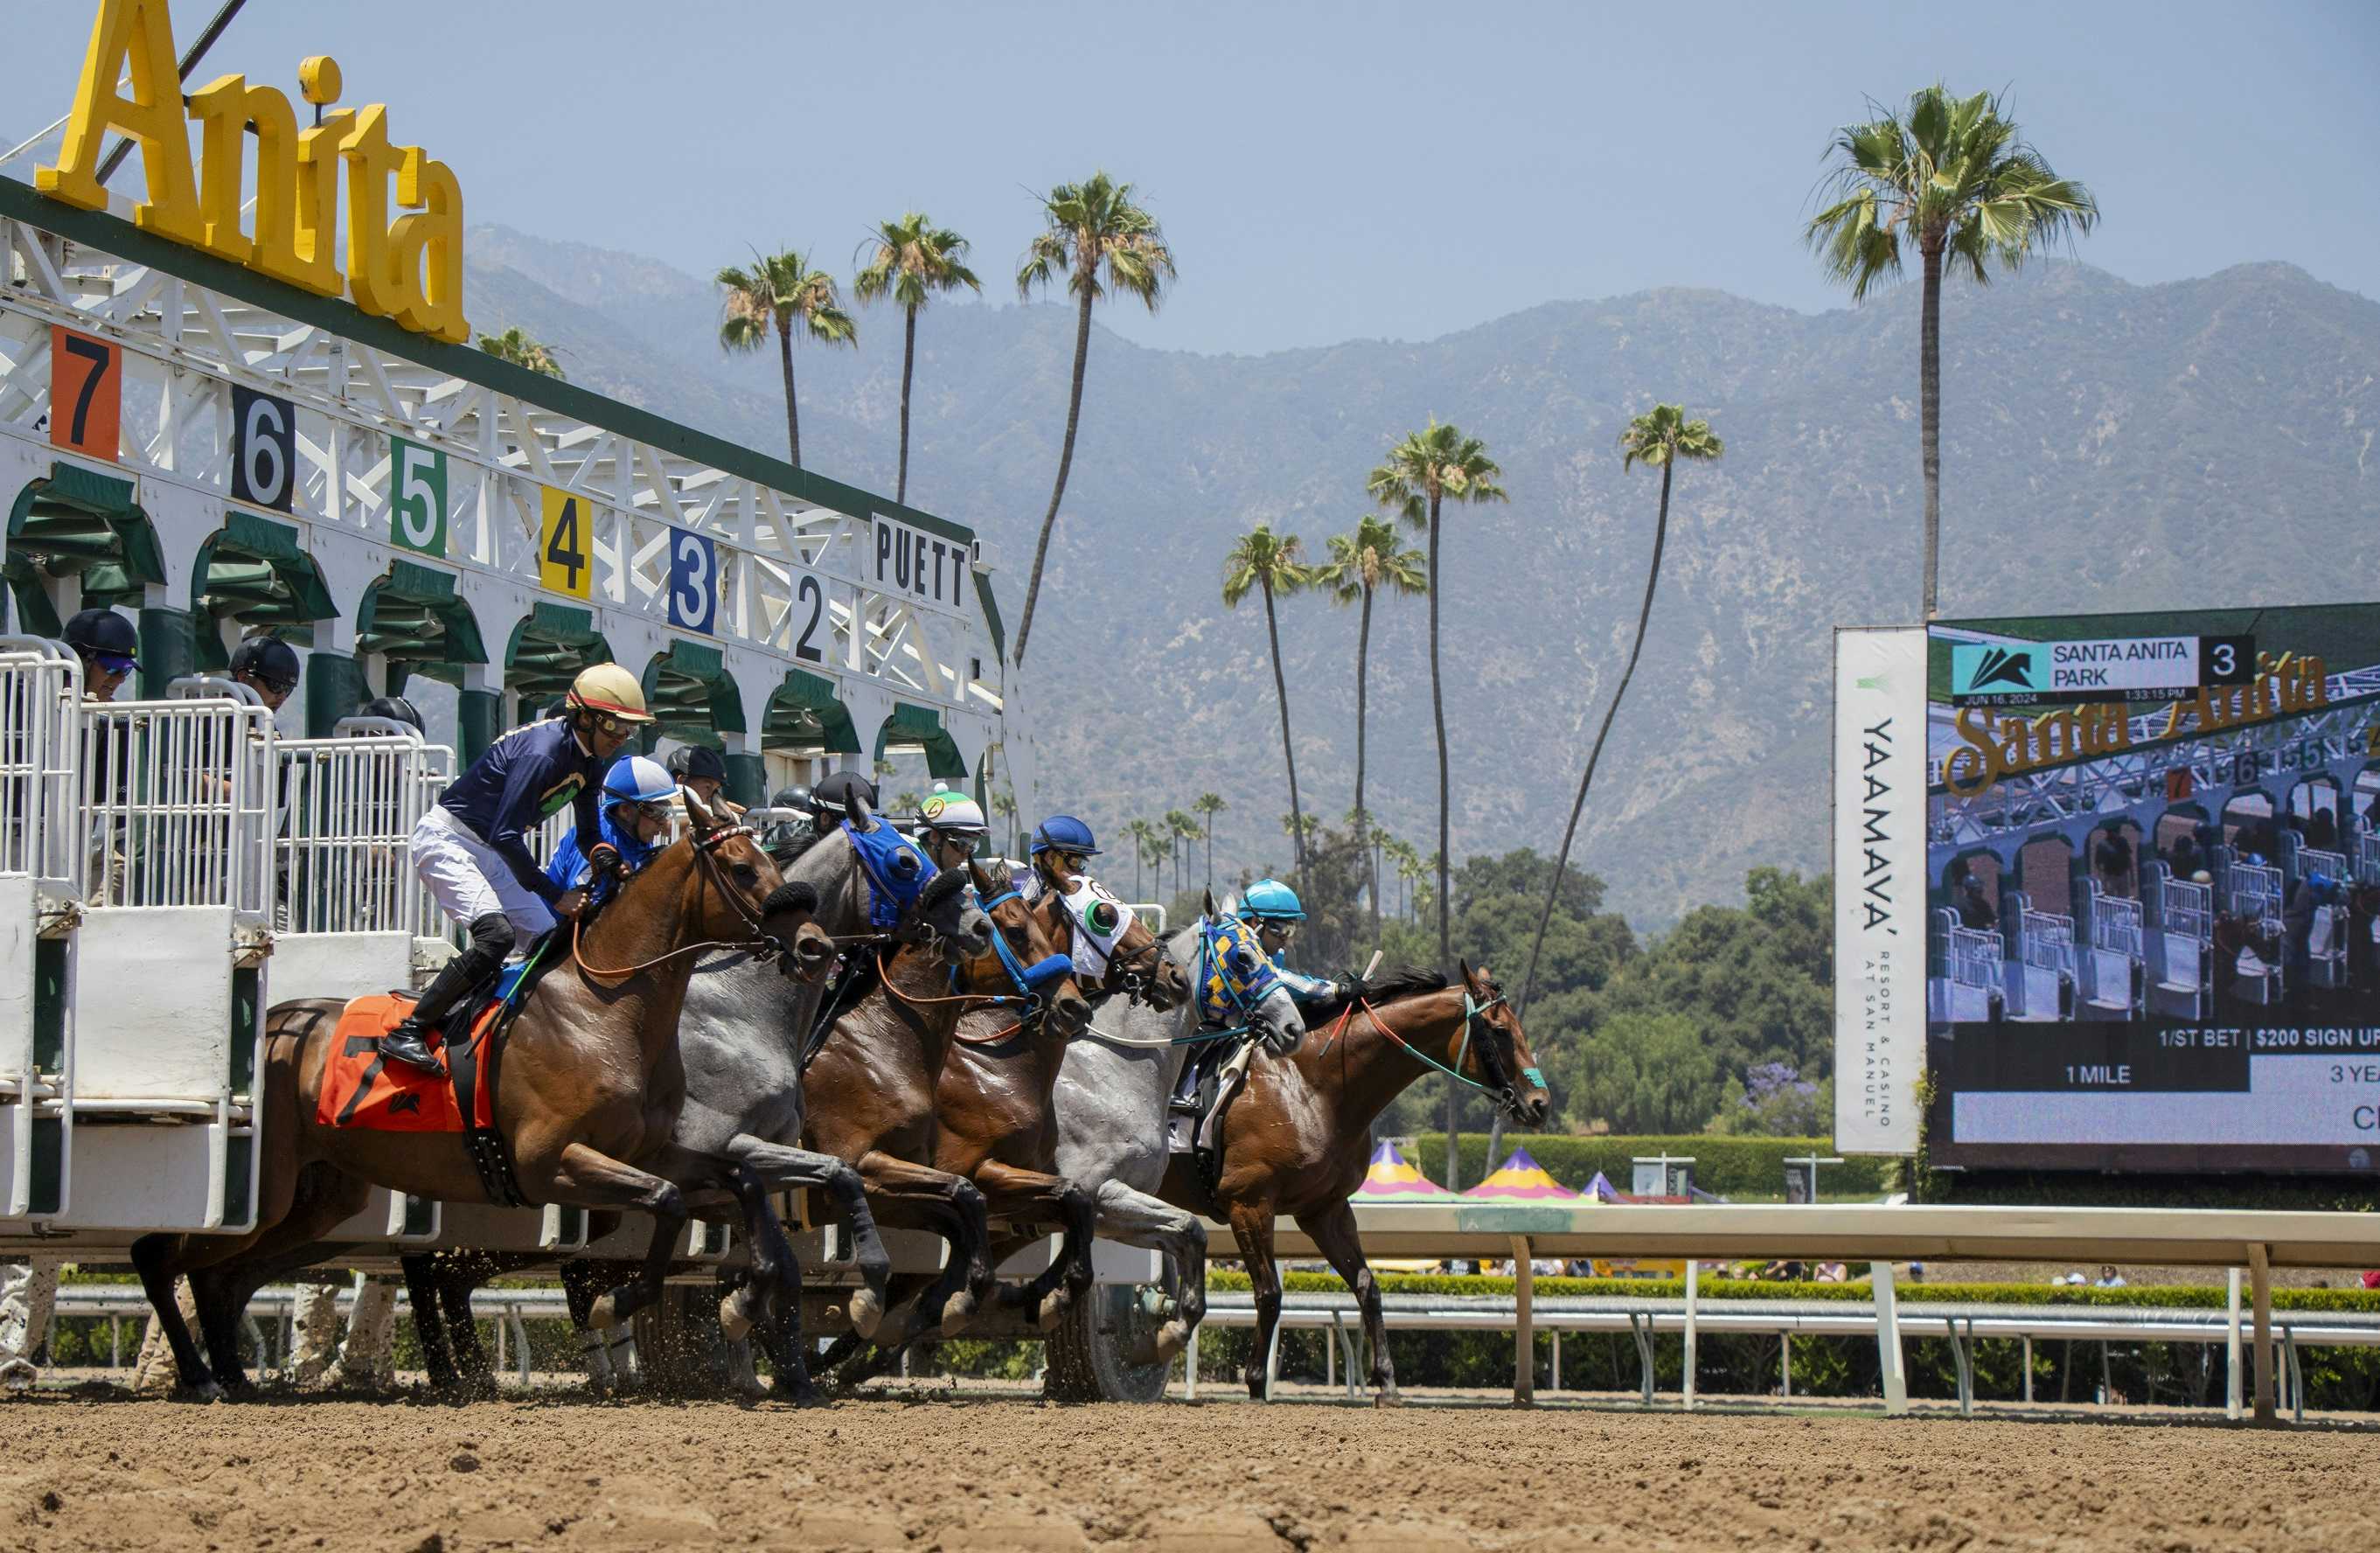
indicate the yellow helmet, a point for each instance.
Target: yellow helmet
{"x":608,"y":690}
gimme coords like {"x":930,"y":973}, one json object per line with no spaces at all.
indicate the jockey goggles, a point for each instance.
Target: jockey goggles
{"x":116,"y":662}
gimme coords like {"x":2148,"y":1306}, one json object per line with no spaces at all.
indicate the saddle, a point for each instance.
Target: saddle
{"x":1197,"y":1131}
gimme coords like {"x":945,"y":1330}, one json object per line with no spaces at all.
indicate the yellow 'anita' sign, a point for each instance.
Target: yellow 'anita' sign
{"x":408,"y":270}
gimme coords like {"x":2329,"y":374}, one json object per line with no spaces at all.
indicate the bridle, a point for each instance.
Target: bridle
{"x":1027,"y":981}
{"x":763,"y":945}
{"x":1496,"y":1065}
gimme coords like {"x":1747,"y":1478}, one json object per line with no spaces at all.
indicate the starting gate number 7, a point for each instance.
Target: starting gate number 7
{"x":563,"y":544}
{"x":86,"y":393}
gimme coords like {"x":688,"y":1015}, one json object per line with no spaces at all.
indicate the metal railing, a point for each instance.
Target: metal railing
{"x":2048,"y":940}
{"x":343,"y":850}
{"x":2187,"y":909}
{"x":2255,"y":891}
{"x":1975,"y":958}
{"x":40,"y":696}
{"x":2115,"y":924}
{"x":179,"y":796}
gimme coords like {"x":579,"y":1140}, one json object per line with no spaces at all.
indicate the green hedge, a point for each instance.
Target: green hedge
{"x":2179,"y":1296}
{"x":1730,"y":1166}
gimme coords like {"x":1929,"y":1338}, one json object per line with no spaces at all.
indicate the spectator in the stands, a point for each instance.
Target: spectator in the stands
{"x":2110,"y":1278}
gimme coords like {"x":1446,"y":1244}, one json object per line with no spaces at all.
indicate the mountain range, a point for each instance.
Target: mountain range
{"x":2105,"y":446}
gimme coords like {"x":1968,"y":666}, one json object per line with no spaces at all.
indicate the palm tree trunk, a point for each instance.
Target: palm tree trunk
{"x":792,"y":419}
{"x":1210,"y":852}
{"x":1280,"y":692}
{"x":1065,"y":462}
{"x":1438,"y":714}
{"x":1363,"y":655}
{"x":1138,"y":857}
{"x":1644,"y":617}
{"x":1929,"y":418}
{"x":908,"y":366}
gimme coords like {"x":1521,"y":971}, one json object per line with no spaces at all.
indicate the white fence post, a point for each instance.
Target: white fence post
{"x":1693,"y":1295}
{"x":1888,"y":1338}
{"x":2232,"y":1349}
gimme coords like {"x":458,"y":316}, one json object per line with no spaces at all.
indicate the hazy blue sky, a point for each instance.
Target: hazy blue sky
{"x":1325,"y":171}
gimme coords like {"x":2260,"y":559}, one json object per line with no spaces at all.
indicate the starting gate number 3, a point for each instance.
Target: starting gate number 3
{"x":693,"y":581}
{"x":563,"y":542}
{"x":86,"y":393}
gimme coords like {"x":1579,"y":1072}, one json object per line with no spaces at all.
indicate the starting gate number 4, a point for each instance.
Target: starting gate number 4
{"x":693,"y":581}
{"x":86,"y":393}
{"x":417,"y":497}
{"x":263,"y":448}
{"x":563,"y":542}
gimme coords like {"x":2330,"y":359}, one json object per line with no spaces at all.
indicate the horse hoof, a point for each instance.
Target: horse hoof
{"x":205,"y":1391}
{"x":957,"y":1310}
{"x":1171,"y":1340}
{"x":1386,"y":1399}
{"x":732,"y":1319}
{"x":1053,"y":1309}
{"x":601,"y":1317}
{"x":866,"y":1310}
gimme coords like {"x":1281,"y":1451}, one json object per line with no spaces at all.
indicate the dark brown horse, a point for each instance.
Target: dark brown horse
{"x":589,"y":1092}
{"x":1297,"y":1136}
{"x":870,"y":1091}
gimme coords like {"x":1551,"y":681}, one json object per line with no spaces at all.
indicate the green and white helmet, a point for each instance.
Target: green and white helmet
{"x":952,"y":813}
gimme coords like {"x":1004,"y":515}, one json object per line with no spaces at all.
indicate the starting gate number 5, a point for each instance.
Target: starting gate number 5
{"x":563,"y":543}
{"x":86,"y":393}
{"x":417,"y":491}
{"x":693,"y":581}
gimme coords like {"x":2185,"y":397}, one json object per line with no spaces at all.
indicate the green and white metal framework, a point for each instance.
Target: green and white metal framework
{"x":814,"y":647}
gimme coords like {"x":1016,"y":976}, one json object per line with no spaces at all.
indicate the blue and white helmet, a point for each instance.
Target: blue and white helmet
{"x":635,"y":779}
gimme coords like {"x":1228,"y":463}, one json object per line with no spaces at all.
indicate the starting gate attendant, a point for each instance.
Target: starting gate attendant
{"x":470,"y":849}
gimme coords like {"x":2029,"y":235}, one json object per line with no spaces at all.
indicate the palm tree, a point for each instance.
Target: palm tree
{"x":913,"y":260}
{"x":1658,"y":438}
{"x":1362,"y":562}
{"x":1090,"y":227}
{"x":1273,"y":562}
{"x":1953,"y":178}
{"x":1145,"y":845}
{"x":1183,"y":828}
{"x":1207,"y":807}
{"x":1004,"y":804}
{"x":1424,"y":472}
{"x":522,"y":350}
{"x":1407,"y":859}
{"x":780,"y":291}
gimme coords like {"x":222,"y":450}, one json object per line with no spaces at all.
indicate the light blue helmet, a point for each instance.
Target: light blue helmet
{"x":1063,"y":833}
{"x":1270,"y":900}
{"x":635,"y":779}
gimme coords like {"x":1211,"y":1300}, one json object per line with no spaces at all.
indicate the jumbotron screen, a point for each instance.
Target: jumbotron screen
{"x":2153,"y":891}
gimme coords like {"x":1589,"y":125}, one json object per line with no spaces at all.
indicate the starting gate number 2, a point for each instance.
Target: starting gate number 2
{"x":563,"y":543}
{"x":693,"y":581}
{"x":86,"y":393}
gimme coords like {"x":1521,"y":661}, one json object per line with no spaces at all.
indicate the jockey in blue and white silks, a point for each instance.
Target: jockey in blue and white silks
{"x":635,"y":819}
{"x":1239,"y":982}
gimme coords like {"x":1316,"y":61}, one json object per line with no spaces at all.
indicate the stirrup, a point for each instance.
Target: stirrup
{"x":405,"y":1044}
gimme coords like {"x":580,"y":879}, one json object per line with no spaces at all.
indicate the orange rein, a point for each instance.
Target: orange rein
{"x":985,"y":1000}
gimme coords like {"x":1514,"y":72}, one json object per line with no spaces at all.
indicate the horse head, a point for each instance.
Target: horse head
{"x":745,"y":897}
{"x":1024,"y":956}
{"x":1493,"y":1050}
{"x":946,"y":919}
{"x":1114,"y":949}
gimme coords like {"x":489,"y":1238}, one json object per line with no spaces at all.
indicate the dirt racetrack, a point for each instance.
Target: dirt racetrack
{"x":991,"y":1475}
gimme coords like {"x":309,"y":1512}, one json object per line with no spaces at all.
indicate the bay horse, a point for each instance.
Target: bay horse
{"x":871,"y":1088}
{"x":587,"y":1103}
{"x":1296,"y":1137}
{"x":740,"y":1036}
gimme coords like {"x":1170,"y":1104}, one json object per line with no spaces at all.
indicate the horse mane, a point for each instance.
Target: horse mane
{"x":1402,"y":981}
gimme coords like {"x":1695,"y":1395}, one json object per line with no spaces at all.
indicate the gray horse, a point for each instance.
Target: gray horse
{"x":740,"y":1035}
{"x":1112,"y":1099}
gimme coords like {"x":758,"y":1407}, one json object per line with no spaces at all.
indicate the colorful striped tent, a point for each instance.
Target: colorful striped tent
{"x":1392,"y":1177}
{"x":1521,"y":1178}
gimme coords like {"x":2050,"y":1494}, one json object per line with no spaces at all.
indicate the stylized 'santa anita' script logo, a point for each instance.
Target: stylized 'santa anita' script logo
{"x":2002,"y":667}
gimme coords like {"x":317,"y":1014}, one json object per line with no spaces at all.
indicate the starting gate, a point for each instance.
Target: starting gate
{"x":2114,"y":967}
{"x":2180,"y":944}
{"x":2042,"y":987}
{"x":1967,"y":986}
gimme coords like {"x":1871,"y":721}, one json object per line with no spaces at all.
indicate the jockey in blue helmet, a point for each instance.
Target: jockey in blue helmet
{"x":1235,"y":978}
{"x":1276,"y":911}
{"x":635,"y":821}
{"x":1063,"y":848}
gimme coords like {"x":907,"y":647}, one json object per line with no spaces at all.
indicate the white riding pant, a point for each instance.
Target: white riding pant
{"x":468,"y":879}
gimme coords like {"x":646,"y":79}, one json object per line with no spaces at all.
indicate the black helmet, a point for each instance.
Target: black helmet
{"x":832,"y":795}
{"x":696,"y":762}
{"x":104,"y":631}
{"x":793,"y":798}
{"x":396,"y":709}
{"x":267,"y":658}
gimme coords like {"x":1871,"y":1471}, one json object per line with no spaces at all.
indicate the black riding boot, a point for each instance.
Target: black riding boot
{"x":492,"y":939}
{"x":1185,"y":1086}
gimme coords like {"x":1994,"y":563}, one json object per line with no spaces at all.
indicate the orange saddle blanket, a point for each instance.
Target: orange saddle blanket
{"x":360,"y":1089}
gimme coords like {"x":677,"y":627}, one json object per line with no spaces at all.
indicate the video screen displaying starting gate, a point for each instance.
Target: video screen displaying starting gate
{"x":2153,"y":891}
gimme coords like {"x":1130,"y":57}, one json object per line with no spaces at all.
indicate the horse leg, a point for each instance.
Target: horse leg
{"x":317,"y":1198}
{"x":610,"y":1363}
{"x":420,"y":1270}
{"x":1334,"y":1230}
{"x":953,"y":1207}
{"x":782,"y":1166}
{"x":1137,"y":1218}
{"x":1021,"y":1197}
{"x":775,"y":1285}
{"x":457,"y":1277}
{"x":1252,"y":1227}
{"x":592,"y":1178}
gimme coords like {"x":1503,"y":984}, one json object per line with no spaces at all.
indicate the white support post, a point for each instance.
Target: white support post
{"x":2259,"y":1288}
{"x":1693,"y":1296}
{"x":2028,"y":1369}
{"x":1524,"y":1325}
{"x":1887,"y":1340}
{"x":1785,"y":1362}
{"x":2232,"y":1349}
{"x":1557,"y":1375}
{"x":1190,"y":1367}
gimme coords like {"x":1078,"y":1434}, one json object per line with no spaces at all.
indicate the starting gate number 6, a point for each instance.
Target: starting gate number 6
{"x":563,"y":544}
{"x":693,"y":581}
{"x":265,"y":445}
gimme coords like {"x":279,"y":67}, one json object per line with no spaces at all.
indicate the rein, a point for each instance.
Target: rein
{"x":762,"y":946}
{"x":1472,"y":1011}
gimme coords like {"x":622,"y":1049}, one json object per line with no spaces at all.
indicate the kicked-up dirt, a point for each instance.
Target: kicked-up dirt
{"x":86,"y":1473}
